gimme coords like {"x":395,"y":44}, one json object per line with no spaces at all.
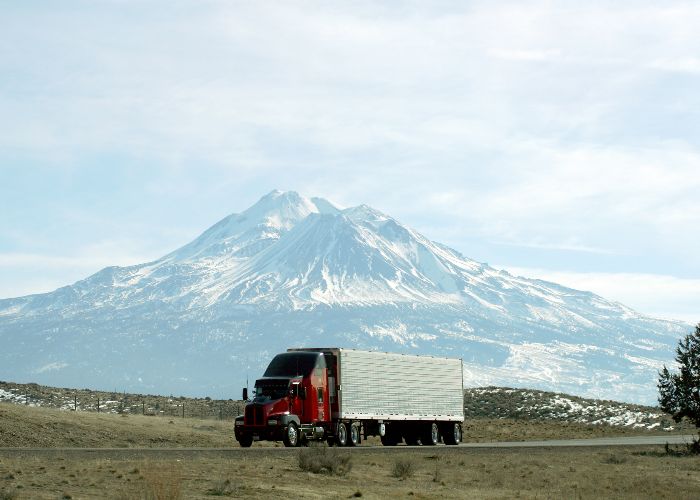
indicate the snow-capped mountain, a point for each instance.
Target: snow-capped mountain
{"x":294,"y":271}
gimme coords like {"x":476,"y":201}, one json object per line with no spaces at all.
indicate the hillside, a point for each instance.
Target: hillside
{"x":33,"y":415}
{"x":542,"y":406}
{"x":292,"y":271}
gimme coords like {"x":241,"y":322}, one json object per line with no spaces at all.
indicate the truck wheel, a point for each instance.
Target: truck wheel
{"x":453,"y":434}
{"x":291,"y":436}
{"x":245,"y":441}
{"x":354,"y":435}
{"x":431,"y":435}
{"x":342,"y":436}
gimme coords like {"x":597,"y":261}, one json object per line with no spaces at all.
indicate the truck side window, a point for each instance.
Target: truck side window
{"x":331,"y":389}
{"x":319,"y":392}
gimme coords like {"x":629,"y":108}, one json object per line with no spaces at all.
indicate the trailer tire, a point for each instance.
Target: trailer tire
{"x":245,"y":441}
{"x":431,"y":435}
{"x":291,"y":436}
{"x":354,"y":435}
{"x":341,"y":436}
{"x":453,"y":434}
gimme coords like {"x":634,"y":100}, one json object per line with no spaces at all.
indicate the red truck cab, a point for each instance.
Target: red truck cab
{"x":290,"y":402}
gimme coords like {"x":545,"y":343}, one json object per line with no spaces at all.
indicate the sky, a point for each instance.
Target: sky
{"x":558,"y":140}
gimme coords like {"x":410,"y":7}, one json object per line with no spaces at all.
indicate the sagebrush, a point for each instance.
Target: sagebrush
{"x":323,"y":460}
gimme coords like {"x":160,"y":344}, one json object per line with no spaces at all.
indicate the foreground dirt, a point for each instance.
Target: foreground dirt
{"x":440,"y":472}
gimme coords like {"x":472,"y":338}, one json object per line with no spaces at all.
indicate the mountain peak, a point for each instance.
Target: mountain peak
{"x":241,"y":235}
{"x":286,"y":208}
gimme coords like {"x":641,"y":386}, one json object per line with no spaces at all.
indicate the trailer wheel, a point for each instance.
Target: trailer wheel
{"x":246,"y":440}
{"x":453,"y":434}
{"x":431,"y":435}
{"x":291,"y":436}
{"x":342,"y":436}
{"x":354,"y":435}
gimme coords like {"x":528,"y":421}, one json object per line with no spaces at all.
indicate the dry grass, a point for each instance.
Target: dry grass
{"x":463,"y":473}
{"x":163,"y":481}
{"x":22,"y":426}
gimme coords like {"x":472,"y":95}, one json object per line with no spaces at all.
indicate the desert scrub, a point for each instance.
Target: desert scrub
{"x":222,"y":488}
{"x":323,"y":460}
{"x":403,"y":469}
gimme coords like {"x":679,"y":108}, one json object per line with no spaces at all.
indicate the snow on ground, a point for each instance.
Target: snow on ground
{"x":519,"y":403}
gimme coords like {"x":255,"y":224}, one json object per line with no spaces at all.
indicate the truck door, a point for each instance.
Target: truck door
{"x":331,"y":384}
{"x":318,"y":395}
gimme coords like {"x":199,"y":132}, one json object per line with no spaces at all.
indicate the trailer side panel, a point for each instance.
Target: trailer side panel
{"x":388,"y":386}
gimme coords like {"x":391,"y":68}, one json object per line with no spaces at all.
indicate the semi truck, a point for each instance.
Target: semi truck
{"x":343,"y":396}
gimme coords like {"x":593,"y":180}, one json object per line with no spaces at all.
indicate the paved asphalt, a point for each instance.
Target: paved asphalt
{"x":613,"y":441}
{"x":191,"y":452}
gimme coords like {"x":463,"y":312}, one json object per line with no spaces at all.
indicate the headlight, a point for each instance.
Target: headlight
{"x":272,"y":421}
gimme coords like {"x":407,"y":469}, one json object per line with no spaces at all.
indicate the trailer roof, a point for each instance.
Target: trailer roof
{"x":340,"y":349}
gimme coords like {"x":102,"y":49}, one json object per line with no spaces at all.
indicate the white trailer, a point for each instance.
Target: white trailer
{"x":390,"y":386}
{"x":400,"y":397}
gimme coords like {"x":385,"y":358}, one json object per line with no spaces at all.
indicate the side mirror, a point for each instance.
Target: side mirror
{"x":294,"y":390}
{"x":245,"y":394}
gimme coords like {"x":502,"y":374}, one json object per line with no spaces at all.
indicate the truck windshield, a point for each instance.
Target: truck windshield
{"x":292,"y":364}
{"x":268,"y":391}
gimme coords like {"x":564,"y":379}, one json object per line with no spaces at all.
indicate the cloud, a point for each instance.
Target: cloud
{"x":535,"y":126}
{"x":685,"y":65}
{"x":526,"y":55}
{"x":662,"y":296}
{"x":29,"y":273}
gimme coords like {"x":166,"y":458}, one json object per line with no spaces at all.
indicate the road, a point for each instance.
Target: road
{"x":612,"y":441}
{"x":231,"y":452}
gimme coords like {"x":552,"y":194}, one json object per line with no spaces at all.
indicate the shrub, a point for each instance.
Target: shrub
{"x":222,"y":488}
{"x":615,"y":460}
{"x":323,"y":460}
{"x":403,"y":469}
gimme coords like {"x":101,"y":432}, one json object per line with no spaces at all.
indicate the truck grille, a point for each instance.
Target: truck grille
{"x":254,"y":415}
